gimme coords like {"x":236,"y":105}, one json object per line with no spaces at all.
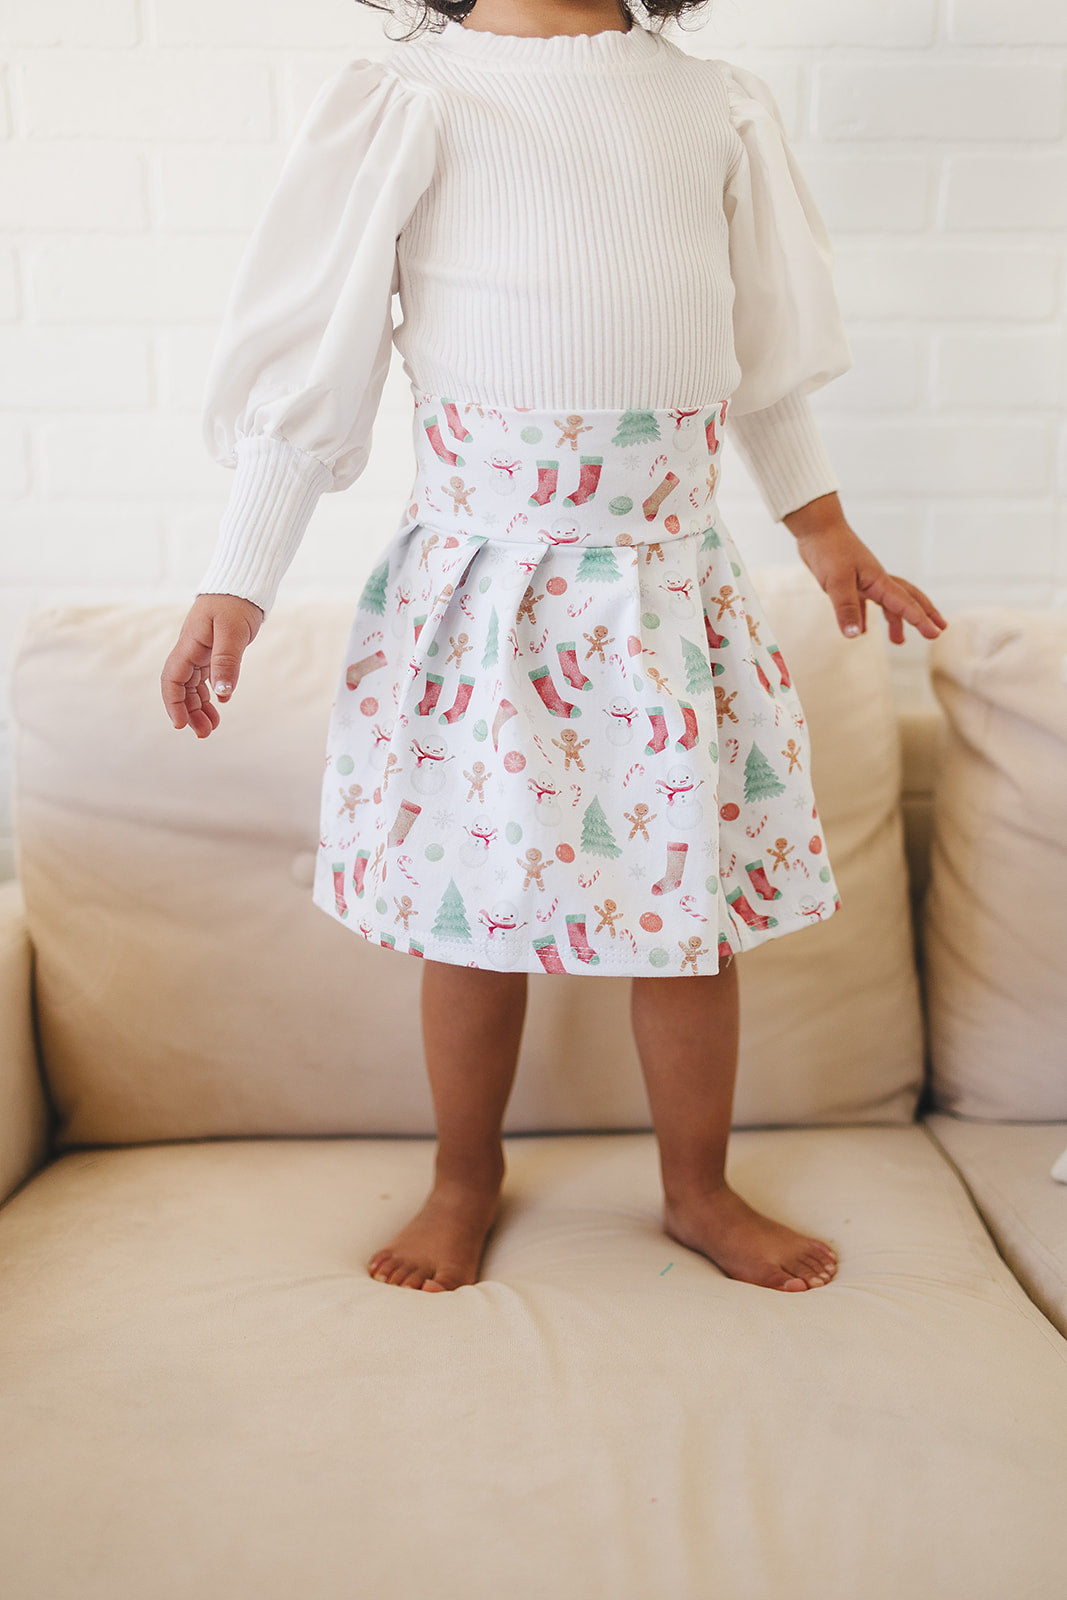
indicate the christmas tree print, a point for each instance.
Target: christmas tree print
{"x":597,"y":837}
{"x":636,"y":427}
{"x":492,"y":643}
{"x":760,"y":781}
{"x":373,"y":596}
{"x":698,"y":678}
{"x":452,"y":916}
{"x":598,"y":565}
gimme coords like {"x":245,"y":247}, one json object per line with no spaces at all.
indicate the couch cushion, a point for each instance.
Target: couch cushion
{"x":1007,"y":1169}
{"x":995,"y":917}
{"x":187,"y":985}
{"x":205,"y":1394}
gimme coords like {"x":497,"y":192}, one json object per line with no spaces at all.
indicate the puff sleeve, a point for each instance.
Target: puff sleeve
{"x":303,"y":349}
{"x":789,"y":337}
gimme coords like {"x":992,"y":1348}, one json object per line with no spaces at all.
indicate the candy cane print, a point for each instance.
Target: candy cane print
{"x":733,"y":747}
{"x":403,"y":862}
{"x":752,"y":832}
{"x":576,"y":611}
{"x":686,"y":903}
{"x":587,"y":883}
{"x":545,"y":916}
{"x":638,"y":768}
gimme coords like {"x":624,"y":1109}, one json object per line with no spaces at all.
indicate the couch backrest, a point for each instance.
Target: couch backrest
{"x":187,"y":986}
{"x":995,"y":919}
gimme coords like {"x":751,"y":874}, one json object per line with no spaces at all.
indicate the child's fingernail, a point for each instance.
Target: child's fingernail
{"x":224,"y":688}
{"x":852,"y":630}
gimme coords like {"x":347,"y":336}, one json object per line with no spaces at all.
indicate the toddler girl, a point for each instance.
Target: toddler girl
{"x":561,"y":711}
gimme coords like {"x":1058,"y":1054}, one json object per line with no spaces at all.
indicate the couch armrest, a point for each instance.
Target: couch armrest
{"x":25,"y":1113}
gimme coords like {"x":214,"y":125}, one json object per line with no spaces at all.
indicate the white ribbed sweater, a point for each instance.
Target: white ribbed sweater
{"x":583,"y":221}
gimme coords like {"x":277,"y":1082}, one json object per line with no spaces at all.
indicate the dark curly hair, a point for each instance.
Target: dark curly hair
{"x":430,"y":16}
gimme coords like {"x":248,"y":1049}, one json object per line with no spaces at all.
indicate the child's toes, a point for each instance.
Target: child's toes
{"x":414,"y":1279}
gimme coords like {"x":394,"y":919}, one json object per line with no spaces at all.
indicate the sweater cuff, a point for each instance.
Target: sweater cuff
{"x":275,"y":489}
{"x":783,"y":450}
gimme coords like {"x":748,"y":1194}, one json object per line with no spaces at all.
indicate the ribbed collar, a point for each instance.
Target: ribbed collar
{"x":609,"y":47}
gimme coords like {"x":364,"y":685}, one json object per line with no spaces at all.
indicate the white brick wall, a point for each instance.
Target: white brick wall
{"x":139,"y":138}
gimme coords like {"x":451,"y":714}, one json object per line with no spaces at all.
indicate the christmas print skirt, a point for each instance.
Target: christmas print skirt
{"x":563,"y":737}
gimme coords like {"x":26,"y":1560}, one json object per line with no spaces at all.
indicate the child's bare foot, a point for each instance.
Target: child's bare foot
{"x":441,"y":1247}
{"x":746,"y":1244}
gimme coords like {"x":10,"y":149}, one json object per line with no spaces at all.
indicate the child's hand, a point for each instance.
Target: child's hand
{"x":851,"y":574}
{"x":213,"y":638}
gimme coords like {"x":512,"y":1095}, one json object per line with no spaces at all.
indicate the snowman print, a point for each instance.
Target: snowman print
{"x":399,"y":616}
{"x":562,"y":532}
{"x":680,"y":599}
{"x":504,"y":469}
{"x":474,"y":851}
{"x":546,"y":801}
{"x":431,"y":756}
{"x":501,"y":942}
{"x":679,"y":790}
{"x":690,"y":439}
{"x":620,"y":723}
{"x":379,"y":749}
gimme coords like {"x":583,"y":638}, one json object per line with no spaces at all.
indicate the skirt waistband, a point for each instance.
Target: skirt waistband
{"x":591,"y":477}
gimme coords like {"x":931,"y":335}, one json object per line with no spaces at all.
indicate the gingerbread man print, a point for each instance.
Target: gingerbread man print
{"x":458,"y":492}
{"x":571,"y":745}
{"x":570,"y":430}
{"x":533,"y":864}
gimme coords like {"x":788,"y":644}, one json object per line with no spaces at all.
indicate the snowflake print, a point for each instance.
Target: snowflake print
{"x":444,"y":819}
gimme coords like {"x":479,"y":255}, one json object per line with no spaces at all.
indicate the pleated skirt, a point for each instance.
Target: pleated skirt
{"x":563,"y":736}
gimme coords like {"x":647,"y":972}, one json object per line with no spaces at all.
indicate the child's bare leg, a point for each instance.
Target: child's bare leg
{"x":471,"y":1027}
{"x":687,"y":1030}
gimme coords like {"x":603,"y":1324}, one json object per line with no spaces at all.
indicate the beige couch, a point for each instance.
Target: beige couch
{"x":213,"y":1109}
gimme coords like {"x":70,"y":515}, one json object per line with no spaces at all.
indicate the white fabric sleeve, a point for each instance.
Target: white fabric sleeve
{"x":303,"y":350}
{"x":789,"y":336}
